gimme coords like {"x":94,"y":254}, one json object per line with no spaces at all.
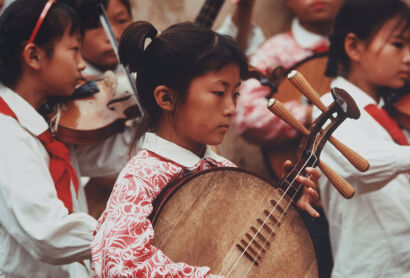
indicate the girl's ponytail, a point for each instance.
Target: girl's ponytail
{"x":173,"y":58}
{"x":133,"y":44}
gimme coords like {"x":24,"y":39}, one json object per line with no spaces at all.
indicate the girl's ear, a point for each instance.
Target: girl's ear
{"x":353,"y":47}
{"x":164,"y":97}
{"x":31,"y":56}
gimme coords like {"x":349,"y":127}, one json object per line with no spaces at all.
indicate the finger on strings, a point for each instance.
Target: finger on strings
{"x":307,"y":182}
{"x":314,"y":174}
{"x":314,"y":195}
{"x":287,"y":166}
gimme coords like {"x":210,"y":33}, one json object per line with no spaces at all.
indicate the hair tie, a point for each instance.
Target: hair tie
{"x":148,"y":42}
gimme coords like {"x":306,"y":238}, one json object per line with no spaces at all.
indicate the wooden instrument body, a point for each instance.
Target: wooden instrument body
{"x":95,"y":118}
{"x":212,"y":212}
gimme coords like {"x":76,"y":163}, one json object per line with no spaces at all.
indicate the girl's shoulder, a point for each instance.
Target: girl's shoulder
{"x":13,"y":131}
{"x":146,"y":163}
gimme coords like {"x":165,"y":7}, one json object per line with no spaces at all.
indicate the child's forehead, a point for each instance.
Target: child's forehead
{"x":71,"y":35}
{"x":396,"y":27}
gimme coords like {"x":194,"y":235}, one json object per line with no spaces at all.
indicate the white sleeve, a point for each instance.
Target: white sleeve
{"x":106,"y":158}
{"x":29,"y":208}
{"x":256,"y":37}
{"x":387,"y":159}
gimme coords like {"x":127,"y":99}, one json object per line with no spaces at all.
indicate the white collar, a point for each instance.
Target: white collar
{"x":27,"y":116}
{"x":303,"y":37}
{"x":360,"y":97}
{"x":173,"y":152}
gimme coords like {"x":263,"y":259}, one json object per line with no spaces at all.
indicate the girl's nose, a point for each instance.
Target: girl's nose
{"x":81,"y":63}
{"x":117,"y":32}
{"x":230,"y":108}
{"x":406,"y":57}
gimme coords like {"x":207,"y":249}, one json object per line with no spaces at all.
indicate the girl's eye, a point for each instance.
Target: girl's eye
{"x":121,"y":21}
{"x":219,"y":93}
{"x":236,"y":95}
{"x":398,"y":44}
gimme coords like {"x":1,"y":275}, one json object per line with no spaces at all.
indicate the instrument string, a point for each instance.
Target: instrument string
{"x":268,"y":217}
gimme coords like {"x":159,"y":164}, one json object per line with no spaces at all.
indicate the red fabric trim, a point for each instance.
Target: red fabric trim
{"x":388,"y":123}
{"x":60,"y":166}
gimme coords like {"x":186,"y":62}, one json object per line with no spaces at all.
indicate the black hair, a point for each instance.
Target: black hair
{"x":16,"y":25}
{"x":362,"y":18}
{"x":181,"y":53}
{"x":89,"y":11}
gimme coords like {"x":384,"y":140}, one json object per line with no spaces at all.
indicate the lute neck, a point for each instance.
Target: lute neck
{"x":208,"y":13}
{"x":288,"y":184}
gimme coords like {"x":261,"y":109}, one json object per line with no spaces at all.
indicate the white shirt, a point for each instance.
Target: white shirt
{"x":255,"y":39}
{"x":370,"y":233}
{"x":304,"y":37}
{"x":38,"y":238}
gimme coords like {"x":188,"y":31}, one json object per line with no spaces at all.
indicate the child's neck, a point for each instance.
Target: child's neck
{"x":29,"y":91}
{"x":167,"y":132}
{"x":320,"y":28}
{"x":366,"y":86}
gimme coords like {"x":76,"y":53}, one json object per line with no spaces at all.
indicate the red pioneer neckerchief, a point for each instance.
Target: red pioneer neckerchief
{"x":60,"y":166}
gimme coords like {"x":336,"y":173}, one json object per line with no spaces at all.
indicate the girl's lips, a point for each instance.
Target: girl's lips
{"x":319,"y":5}
{"x":404,"y":74}
{"x":224,"y":127}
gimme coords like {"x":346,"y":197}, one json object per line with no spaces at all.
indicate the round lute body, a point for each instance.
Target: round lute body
{"x":313,"y":68}
{"x":234,"y":222}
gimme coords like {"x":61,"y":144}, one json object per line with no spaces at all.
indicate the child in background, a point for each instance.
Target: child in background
{"x":249,"y":37}
{"x":45,"y":230}
{"x":308,"y":35}
{"x":370,"y":55}
{"x":100,"y":57}
{"x":96,"y":47}
{"x":188,"y":78}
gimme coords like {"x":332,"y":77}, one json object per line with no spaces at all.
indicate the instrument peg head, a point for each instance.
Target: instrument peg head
{"x":346,"y":102}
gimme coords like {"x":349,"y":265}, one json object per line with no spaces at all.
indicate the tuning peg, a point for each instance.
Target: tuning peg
{"x":344,"y":188}
{"x":300,"y":83}
{"x":340,"y":184}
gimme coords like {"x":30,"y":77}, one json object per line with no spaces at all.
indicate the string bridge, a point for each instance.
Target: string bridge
{"x":258,"y":238}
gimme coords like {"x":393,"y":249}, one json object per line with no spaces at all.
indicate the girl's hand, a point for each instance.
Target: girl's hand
{"x":310,"y":194}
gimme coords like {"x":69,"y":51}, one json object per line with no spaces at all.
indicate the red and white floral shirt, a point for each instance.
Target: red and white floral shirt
{"x":253,"y":119}
{"x":122,"y":240}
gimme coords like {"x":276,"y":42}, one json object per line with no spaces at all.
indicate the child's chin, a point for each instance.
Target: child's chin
{"x":398,"y":84}
{"x":215,"y":141}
